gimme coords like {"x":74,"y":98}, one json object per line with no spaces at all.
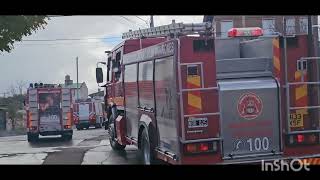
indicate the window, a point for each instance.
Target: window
{"x":225,"y":27}
{"x":290,"y":26}
{"x":268,"y":26}
{"x":109,"y":75}
{"x":203,"y":45}
{"x":116,"y":66}
{"x":303,"y":25}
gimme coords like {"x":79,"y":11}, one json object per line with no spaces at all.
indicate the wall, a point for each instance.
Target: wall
{"x":256,"y":21}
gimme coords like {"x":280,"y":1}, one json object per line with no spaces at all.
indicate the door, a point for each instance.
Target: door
{"x":84,"y":112}
{"x":50,"y":110}
{"x":249,"y":117}
{"x":131,"y":99}
{"x":166,"y":103}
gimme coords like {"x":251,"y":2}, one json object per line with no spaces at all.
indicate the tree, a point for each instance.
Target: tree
{"x":13,"y":28}
{"x":13,"y":90}
{"x":21,"y":85}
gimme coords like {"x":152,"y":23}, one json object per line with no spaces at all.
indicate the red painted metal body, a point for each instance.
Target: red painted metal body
{"x":128,"y":95}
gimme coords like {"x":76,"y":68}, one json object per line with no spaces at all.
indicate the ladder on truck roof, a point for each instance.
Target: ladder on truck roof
{"x":171,"y":29}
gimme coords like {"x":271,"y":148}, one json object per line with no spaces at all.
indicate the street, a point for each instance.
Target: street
{"x":87,"y":147}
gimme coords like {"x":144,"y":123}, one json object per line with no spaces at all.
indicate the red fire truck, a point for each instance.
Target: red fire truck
{"x":182,"y":96}
{"x":49,"y":111}
{"x":87,"y":113}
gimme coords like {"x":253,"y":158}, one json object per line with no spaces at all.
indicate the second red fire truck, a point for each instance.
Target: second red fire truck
{"x":88,"y":113}
{"x":182,"y":96}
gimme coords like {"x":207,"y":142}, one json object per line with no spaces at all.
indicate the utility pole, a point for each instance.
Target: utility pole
{"x":77,"y":78}
{"x":151,"y":21}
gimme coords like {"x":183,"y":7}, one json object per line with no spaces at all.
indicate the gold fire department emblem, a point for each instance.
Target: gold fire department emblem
{"x":249,"y":106}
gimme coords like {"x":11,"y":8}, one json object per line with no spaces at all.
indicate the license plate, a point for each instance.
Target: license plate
{"x":197,"y":122}
{"x":296,"y":120}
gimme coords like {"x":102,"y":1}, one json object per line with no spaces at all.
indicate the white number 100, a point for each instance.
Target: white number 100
{"x":257,"y":144}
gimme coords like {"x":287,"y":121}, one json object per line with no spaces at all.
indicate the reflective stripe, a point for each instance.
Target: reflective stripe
{"x":194,"y":97}
{"x":276,"y":57}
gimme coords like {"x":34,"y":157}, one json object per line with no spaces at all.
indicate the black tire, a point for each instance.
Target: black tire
{"x":78,"y":128}
{"x":146,"y":149}
{"x":33,"y":137}
{"x":114,"y":144}
{"x":98,"y":126}
{"x":67,"y":137}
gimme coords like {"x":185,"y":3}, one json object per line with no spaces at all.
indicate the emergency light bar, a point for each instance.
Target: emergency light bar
{"x":245,"y":32}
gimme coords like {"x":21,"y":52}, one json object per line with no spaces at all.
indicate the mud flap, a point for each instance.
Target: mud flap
{"x":120,"y":130}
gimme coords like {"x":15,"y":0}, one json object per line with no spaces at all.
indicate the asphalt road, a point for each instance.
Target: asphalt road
{"x":87,"y":147}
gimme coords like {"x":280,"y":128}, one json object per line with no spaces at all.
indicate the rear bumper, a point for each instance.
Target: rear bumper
{"x":258,"y":161}
{"x":52,"y":133}
{"x":86,"y":123}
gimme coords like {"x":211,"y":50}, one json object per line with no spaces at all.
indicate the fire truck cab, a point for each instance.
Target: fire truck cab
{"x":188,"y":99}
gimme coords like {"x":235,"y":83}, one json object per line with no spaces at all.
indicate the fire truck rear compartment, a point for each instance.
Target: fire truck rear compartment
{"x":248,"y":99}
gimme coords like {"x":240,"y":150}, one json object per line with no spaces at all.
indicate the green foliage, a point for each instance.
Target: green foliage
{"x":13,"y":104}
{"x":13,"y":28}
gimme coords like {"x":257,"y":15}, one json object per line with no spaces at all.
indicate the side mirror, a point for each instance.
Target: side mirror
{"x":99,"y":75}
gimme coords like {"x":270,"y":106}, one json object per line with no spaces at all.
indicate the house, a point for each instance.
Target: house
{"x":78,"y":91}
{"x":289,"y":25}
{"x":269,"y":24}
{"x":99,"y":94}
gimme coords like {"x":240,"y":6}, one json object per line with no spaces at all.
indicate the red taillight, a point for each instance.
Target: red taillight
{"x":201,"y":147}
{"x":312,"y":138}
{"x":304,"y":139}
{"x":33,"y":128}
{"x":204,"y":147}
{"x":191,"y":148}
{"x":300,"y":138}
{"x":67,"y":127}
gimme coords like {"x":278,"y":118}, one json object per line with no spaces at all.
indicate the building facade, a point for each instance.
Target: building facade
{"x":78,"y":91}
{"x":270,"y":24}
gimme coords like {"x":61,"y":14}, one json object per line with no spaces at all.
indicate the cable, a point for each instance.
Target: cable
{"x":129,"y":20}
{"x":69,"y":39}
{"x":143,"y":20}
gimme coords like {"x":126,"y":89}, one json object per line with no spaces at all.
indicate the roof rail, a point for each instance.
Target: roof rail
{"x":174,"y":29}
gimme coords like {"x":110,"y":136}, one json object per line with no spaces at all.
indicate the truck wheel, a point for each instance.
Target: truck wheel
{"x":33,"y":137}
{"x":146,"y":149}
{"x":114,"y":144}
{"x":78,"y":128}
{"x":98,"y":126}
{"x":67,"y":137}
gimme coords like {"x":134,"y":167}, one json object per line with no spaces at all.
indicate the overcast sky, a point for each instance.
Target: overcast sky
{"x":50,"y":61}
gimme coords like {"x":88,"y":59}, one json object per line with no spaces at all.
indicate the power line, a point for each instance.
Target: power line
{"x":143,"y":20}
{"x":129,"y":20}
{"x":69,"y":39}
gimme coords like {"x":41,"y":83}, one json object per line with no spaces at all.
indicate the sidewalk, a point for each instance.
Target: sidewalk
{"x":12,"y":133}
